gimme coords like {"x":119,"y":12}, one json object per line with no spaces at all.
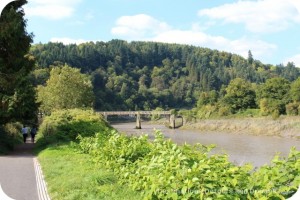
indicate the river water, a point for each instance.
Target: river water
{"x":258,"y":150}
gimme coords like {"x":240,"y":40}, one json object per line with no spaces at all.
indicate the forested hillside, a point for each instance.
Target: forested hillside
{"x":147,"y":75}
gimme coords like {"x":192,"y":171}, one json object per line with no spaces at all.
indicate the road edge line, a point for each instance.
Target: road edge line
{"x":40,"y":181}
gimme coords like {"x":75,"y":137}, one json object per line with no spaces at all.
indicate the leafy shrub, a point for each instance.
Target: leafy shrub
{"x":275,"y":114}
{"x":224,"y":111}
{"x":155,"y":117}
{"x":292,"y":108}
{"x":10,"y":134}
{"x":170,"y":171}
{"x":189,"y":115}
{"x":121,"y":150}
{"x":66,"y":125}
{"x":280,"y":180}
{"x":263,"y":104}
{"x":207,"y":111}
{"x":248,"y":113}
{"x":271,"y":106}
{"x":162,"y":169}
{"x":207,"y":98}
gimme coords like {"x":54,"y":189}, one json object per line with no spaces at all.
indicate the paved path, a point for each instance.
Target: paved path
{"x":18,"y":171}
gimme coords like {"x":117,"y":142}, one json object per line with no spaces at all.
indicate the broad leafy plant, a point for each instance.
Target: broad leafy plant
{"x":161,"y":169}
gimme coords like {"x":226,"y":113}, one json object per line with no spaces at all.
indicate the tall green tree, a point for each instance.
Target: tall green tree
{"x":240,"y":95}
{"x":17,"y":96}
{"x":66,"y":88}
{"x":274,"y":95}
{"x":275,"y":88}
{"x":250,"y":57}
{"x":295,"y":90}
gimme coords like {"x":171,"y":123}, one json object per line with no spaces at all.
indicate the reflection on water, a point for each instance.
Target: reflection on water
{"x":241,"y":149}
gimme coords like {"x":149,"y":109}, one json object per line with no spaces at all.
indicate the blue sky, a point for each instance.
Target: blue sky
{"x":269,"y":28}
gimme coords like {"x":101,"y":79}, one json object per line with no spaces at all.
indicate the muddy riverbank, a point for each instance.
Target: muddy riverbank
{"x":285,"y":126}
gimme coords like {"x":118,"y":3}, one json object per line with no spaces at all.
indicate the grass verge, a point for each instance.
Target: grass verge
{"x":72,"y":175}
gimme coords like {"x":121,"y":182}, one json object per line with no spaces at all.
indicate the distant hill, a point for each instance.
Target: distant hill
{"x":146,"y":75}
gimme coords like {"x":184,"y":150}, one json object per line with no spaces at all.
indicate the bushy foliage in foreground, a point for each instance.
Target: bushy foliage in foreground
{"x":71,"y":175}
{"x":161,"y":169}
{"x":10,"y":134}
{"x":164,"y":170}
{"x":66,"y":125}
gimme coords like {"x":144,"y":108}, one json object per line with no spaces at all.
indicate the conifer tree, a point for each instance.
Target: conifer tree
{"x":250,"y":57}
{"x":17,"y":96}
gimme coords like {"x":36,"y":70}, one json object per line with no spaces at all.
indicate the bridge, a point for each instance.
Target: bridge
{"x":138,"y":116}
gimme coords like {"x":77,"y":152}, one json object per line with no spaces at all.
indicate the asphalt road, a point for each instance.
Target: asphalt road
{"x":17,"y":174}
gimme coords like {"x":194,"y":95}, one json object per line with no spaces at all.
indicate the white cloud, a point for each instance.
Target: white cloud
{"x":89,"y":16}
{"x":51,"y":9}
{"x":260,"y":16}
{"x":68,"y":40}
{"x":138,"y":26}
{"x":189,"y":37}
{"x":241,"y":46}
{"x":295,"y":59}
{"x":260,"y":49}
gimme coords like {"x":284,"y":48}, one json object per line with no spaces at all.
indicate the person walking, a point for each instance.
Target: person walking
{"x":24,"y":133}
{"x":33,"y":133}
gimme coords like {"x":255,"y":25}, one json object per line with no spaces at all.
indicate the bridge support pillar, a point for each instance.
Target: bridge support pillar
{"x":138,"y":121}
{"x":105,"y":117}
{"x":172,"y":122}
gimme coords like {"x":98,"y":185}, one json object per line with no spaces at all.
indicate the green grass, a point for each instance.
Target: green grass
{"x":72,"y":175}
{"x":247,"y":113}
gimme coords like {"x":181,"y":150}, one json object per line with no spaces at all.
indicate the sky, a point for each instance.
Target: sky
{"x":268,"y":28}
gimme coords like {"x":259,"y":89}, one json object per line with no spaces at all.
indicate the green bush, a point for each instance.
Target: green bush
{"x":189,"y":115}
{"x":155,"y":117}
{"x":280,"y":180}
{"x":248,"y":113}
{"x":224,"y":111}
{"x":67,"y":125}
{"x":292,"y":108}
{"x":162,"y":169}
{"x":170,"y":171}
{"x":207,"y":111}
{"x":275,"y":114}
{"x":10,"y":134}
{"x":271,"y":106}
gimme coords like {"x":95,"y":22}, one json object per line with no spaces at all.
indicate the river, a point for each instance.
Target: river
{"x":258,"y":150}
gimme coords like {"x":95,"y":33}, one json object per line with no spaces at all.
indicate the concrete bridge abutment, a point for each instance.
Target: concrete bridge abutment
{"x":138,"y":121}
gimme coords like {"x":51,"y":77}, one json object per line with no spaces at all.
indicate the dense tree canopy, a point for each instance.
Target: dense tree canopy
{"x":17,"y":96}
{"x":147,"y":75}
{"x":274,"y":95}
{"x":66,"y":88}
{"x":295,"y":90}
{"x":240,"y":95}
{"x":275,"y":88}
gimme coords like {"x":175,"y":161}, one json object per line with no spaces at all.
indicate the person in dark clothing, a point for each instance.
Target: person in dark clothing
{"x":24,"y":133}
{"x":33,"y":133}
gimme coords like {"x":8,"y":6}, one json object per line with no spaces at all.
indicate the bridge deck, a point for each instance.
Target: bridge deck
{"x":106,"y":113}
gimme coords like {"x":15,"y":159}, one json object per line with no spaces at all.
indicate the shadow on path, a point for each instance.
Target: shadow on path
{"x":17,"y":175}
{"x":24,"y":149}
